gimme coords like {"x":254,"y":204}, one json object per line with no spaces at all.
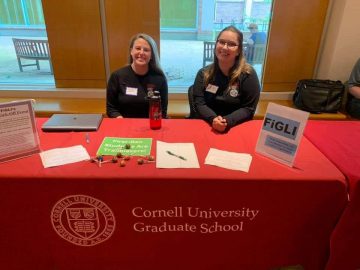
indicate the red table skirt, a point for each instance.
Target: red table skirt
{"x":340,"y":142}
{"x":80,"y":216}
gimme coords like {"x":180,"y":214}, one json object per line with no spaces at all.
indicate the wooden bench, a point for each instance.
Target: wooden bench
{"x":254,"y":54}
{"x":32,"y":49}
{"x":208,"y":53}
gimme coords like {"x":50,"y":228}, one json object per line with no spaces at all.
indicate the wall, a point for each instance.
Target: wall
{"x":341,"y":41}
{"x":124,"y":18}
{"x":293,"y":44}
{"x":75,"y":40}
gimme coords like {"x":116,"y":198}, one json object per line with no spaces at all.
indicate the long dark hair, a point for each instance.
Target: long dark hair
{"x":154,"y":63}
{"x":239,"y":66}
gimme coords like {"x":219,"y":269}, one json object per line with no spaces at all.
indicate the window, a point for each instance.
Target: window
{"x":24,"y":20}
{"x":186,"y":25}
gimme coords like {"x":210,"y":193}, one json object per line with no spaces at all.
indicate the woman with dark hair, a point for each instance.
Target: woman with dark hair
{"x":129,"y":87}
{"x":227,"y":91}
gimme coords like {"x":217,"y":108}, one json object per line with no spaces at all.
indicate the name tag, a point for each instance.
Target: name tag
{"x":212,"y":88}
{"x":131,"y":91}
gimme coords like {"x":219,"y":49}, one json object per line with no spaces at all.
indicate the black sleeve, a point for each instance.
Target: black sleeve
{"x":199,"y":100}
{"x":164,"y":97}
{"x":354,"y":79}
{"x":112,"y":92}
{"x":250,"y":94}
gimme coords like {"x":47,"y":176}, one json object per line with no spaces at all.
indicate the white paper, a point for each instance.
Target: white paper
{"x":176,"y":155}
{"x":61,"y":156}
{"x":18,"y":133}
{"x":229,"y":160}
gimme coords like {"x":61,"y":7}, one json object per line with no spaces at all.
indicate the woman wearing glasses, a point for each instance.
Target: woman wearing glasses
{"x":227,"y":91}
{"x":129,"y":87}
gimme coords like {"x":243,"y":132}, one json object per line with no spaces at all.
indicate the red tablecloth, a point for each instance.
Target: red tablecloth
{"x":340,"y":142}
{"x":79,"y":216}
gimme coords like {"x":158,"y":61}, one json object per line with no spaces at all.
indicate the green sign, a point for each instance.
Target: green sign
{"x":126,"y":146}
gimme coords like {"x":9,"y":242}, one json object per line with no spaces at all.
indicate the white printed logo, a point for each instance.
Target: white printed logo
{"x":82,"y":220}
{"x":234,"y":92}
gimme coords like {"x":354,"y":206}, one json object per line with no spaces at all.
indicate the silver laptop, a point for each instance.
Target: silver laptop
{"x":73,"y":122}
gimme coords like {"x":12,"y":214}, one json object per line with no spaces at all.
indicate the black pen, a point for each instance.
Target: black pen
{"x":172,"y":154}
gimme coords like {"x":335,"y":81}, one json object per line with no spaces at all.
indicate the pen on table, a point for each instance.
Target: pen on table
{"x":172,"y":154}
{"x":87,"y":137}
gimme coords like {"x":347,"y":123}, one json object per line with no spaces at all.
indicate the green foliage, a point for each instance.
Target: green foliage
{"x":179,"y":14}
{"x":21,"y":12}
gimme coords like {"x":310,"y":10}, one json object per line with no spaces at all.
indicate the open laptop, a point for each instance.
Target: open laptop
{"x":73,"y":122}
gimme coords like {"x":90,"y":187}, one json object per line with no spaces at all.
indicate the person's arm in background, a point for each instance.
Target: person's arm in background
{"x":250,"y":93}
{"x":112,"y":104}
{"x":354,"y":80}
{"x":355,"y":91}
{"x":251,"y":40}
{"x":199,"y":100}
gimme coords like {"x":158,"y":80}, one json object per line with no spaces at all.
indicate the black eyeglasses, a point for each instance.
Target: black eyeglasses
{"x":230,"y":44}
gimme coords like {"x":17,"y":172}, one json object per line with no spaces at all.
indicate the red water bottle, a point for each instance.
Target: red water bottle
{"x":155,"y":111}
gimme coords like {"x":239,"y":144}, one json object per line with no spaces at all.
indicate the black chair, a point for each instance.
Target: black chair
{"x":193,"y":114}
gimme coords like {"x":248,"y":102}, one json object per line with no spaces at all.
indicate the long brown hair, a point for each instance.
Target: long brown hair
{"x":239,"y":66}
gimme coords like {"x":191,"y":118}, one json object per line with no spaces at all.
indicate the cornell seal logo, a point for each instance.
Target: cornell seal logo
{"x":82,"y":220}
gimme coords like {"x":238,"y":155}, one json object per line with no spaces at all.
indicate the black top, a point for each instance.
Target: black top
{"x":236,"y":104}
{"x":354,"y":79}
{"x":126,"y":93}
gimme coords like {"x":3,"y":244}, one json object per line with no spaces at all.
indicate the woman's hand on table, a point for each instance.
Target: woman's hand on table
{"x":219,"y":123}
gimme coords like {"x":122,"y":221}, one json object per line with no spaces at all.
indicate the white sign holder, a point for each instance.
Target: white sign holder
{"x":281,"y":133}
{"x":18,"y":133}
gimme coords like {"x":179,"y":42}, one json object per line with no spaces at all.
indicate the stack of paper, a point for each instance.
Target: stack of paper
{"x":61,"y":156}
{"x":229,"y":160}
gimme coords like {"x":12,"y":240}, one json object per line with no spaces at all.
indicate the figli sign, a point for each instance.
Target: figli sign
{"x":281,"y":133}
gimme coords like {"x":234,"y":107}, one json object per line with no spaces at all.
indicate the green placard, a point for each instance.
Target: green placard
{"x":112,"y":146}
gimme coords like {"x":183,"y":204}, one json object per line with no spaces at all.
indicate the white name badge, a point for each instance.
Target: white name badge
{"x":212,"y":88}
{"x":131,"y":91}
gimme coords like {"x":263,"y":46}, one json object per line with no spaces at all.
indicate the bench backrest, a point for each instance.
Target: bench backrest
{"x":32,"y":48}
{"x":257,"y":52}
{"x":208,"y":55}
